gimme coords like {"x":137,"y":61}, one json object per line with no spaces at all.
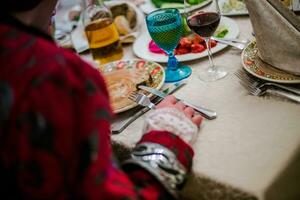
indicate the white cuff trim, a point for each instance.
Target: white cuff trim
{"x":172,"y":120}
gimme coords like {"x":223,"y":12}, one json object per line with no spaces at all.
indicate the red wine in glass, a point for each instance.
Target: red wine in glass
{"x":204,"y":23}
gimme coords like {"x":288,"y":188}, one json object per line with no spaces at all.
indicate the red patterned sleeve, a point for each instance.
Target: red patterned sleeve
{"x":103,"y":178}
{"x":59,"y":140}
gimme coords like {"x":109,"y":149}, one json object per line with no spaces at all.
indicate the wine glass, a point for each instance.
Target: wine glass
{"x":205,"y":23}
{"x":165,"y":28}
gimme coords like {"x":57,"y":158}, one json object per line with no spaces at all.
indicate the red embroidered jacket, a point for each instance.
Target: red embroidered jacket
{"x":54,"y":126}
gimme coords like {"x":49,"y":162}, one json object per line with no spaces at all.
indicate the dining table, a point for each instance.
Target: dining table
{"x":250,"y":151}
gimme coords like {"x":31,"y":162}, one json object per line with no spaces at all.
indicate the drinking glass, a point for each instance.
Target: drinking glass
{"x":205,"y":23}
{"x":165,"y":28}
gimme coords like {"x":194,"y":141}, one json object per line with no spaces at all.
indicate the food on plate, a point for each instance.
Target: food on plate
{"x":174,"y":3}
{"x":127,"y":12}
{"x":234,"y":6}
{"x":122,"y":25}
{"x":154,"y":48}
{"x":74,"y":15}
{"x":221,"y":31}
{"x":192,"y":43}
{"x":286,"y":2}
{"x":121,"y":83}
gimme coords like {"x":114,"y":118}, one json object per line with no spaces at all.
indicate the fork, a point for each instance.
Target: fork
{"x":260,"y":91}
{"x":259,"y":84}
{"x":237,"y":45}
{"x":235,"y":40}
{"x":141,"y":99}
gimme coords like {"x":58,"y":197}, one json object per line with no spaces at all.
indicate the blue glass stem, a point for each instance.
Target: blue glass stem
{"x":172,"y":62}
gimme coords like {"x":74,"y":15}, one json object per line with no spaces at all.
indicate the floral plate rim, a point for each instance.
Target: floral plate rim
{"x":156,"y":71}
{"x":147,"y":6}
{"x":255,"y":66}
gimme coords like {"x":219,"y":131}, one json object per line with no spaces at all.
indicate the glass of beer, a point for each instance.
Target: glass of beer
{"x":101,"y":32}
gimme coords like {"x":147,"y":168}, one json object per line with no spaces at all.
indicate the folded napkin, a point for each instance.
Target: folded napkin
{"x":79,"y":40}
{"x":277,"y":32}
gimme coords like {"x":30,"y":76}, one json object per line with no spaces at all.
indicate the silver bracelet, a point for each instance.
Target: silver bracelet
{"x":160,"y":162}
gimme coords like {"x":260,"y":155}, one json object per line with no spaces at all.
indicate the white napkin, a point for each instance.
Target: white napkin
{"x":277,"y":34}
{"x":79,"y":40}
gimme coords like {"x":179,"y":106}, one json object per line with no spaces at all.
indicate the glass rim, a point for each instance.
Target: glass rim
{"x":160,"y":10}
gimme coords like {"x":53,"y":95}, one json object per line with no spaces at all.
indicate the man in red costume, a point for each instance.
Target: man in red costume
{"x":55,"y":129}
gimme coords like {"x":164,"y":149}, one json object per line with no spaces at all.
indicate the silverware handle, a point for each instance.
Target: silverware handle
{"x":293,"y":90}
{"x":237,"y":45}
{"x":234,"y":44}
{"x":133,"y":117}
{"x":287,"y":95}
{"x":152,"y":106}
{"x":207,"y":113}
{"x":121,"y":126}
{"x":236,"y":40}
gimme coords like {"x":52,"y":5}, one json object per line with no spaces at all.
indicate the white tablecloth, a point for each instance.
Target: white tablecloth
{"x":251,"y":151}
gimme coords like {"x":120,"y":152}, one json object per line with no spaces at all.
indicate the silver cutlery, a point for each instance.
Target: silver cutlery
{"x":141,"y":99}
{"x":237,"y":45}
{"x":260,"y":91}
{"x":207,"y":113}
{"x":234,"y":40}
{"x":260,"y":84}
{"x":123,"y":120}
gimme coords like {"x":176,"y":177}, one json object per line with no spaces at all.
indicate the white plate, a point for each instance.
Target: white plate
{"x":148,"y":6}
{"x":139,"y":14}
{"x":232,"y":12}
{"x":140,"y":46}
{"x":79,"y":40}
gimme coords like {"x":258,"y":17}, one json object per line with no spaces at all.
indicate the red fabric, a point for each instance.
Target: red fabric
{"x":55,"y":130}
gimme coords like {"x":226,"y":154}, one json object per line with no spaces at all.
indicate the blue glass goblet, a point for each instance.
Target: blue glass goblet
{"x":165,"y":28}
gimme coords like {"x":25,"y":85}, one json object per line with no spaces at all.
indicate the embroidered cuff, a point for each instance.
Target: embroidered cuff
{"x":183,"y":152}
{"x":171,"y":120}
{"x":161,"y":163}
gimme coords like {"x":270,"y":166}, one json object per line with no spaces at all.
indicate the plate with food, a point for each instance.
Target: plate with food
{"x":143,"y":46}
{"x":233,"y":7}
{"x":255,"y":66}
{"x":151,"y":5}
{"x":124,"y":77}
{"x":127,"y":17}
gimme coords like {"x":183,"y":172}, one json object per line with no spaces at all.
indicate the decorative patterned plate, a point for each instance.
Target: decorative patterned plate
{"x":147,"y":7}
{"x":255,"y":66}
{"x":233,"y":7}
{"x":122,"y":78}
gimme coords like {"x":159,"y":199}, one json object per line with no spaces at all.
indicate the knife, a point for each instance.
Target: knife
{"x":207,"y":113}
{"x":237,"y":45}
{"x":124,"y":119}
